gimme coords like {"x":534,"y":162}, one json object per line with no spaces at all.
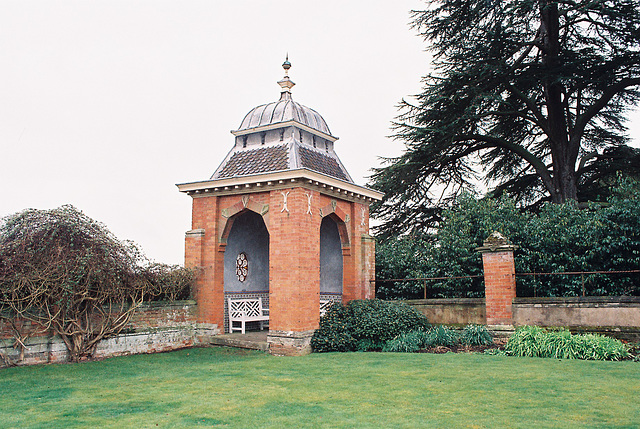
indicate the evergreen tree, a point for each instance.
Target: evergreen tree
{"x":529,"y":96}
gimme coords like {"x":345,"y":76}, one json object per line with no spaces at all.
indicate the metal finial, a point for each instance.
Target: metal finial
{"x":286,"y":65}
{"x":286,"y":84}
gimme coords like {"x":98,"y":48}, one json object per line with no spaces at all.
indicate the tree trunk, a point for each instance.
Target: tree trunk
{"x":564,"y":183}
{"x":563,"y":153}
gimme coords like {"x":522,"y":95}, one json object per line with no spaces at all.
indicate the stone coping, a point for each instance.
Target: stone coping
{"x":529,"y":300}
{"x":155,"y":304}
{"x":180,"y":303}
{"x":445,"y":301}
{"x":579,"y":300}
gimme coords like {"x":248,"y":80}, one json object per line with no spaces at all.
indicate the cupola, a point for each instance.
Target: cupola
{"x":282,"y":135}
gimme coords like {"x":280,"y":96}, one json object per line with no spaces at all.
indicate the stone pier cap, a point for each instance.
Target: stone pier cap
{"x":496,"y":242}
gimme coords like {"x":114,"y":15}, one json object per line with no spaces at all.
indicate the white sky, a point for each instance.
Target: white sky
{"x":106,"y":105}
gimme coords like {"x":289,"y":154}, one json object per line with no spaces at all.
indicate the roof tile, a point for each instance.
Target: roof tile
{"x":262,"y":160}
{"x":321,"y":163}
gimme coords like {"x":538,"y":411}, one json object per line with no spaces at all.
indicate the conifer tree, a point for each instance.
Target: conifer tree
{"x":529,"y":96}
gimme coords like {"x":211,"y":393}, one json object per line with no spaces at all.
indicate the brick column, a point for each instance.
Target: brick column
{"x":294,"y":271}
{"x":193,"y":242}
{"x":201,"y":250}
{"x":368,"y":266}
{"x":359,"y":265}
{"x":499,"y":279}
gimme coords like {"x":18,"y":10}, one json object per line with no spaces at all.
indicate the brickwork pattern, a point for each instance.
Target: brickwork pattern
{"x":154,"y":327}
{"x":294,"y":252}
{"x":294,"y":255}
{"x":500,"y":286}
{"x":207,"y":215}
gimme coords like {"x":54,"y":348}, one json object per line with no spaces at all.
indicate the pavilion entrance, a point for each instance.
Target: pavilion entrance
{"x":246,"y":262}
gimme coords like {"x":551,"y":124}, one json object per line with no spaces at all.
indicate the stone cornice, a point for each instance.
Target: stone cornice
{"x":281,"y":179}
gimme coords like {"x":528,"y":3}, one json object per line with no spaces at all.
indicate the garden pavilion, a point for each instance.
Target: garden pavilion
{"x":280,"y":220}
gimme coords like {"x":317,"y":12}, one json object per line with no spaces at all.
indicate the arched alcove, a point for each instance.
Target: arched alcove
{"x":246,"y":259}
{"x":248,"y":236}
{"x":330,"y":258}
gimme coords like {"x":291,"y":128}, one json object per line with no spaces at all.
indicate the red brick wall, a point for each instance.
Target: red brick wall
{"x":209,"y":250}
{"x":294,"y":261}
{"x":294,"y":253}
{"x":361,"y":262}
{"x":351,"y":261}
{"x":500,"y":286}
{"x":193,"y":251}
{"x":150,"y":315}
{"x":369,"y":267}
{"x":208,"y":291}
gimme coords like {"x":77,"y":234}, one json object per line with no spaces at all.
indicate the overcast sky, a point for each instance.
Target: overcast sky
{"x":106,"y":105}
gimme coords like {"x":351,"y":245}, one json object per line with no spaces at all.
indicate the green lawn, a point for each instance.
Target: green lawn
{"x":232,"y":388}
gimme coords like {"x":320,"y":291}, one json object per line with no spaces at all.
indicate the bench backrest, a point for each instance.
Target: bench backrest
{"x":247,"y":307}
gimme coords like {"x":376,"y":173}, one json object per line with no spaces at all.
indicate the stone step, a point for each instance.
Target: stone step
{"x":250,"y":340}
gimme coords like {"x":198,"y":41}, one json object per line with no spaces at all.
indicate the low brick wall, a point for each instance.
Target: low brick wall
{"x":616,"y":316}
{"x":154,"y":327}
{"x":452,"y":311}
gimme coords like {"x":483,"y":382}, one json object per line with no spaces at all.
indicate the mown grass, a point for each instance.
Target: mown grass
{"x":234,"y":388}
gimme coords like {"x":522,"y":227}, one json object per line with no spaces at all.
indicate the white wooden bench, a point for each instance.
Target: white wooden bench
{"x":246,"y":310}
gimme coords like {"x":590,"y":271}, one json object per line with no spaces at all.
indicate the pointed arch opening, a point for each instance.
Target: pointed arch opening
{"x":331,"y":263}
{"x":246,"y":259}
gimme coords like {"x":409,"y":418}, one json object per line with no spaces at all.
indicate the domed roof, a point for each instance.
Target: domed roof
{"x":284,"y":110}
{"x":303,"y":141}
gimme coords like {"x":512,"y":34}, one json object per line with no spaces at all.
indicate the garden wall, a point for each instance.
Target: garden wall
{"x":616,"y":316}
{"x":154,"y":327}
{"x":451,"y":311}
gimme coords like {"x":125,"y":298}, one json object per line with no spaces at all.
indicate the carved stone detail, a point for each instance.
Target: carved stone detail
{"x":284,"y":202}
{"x":309,"y":203}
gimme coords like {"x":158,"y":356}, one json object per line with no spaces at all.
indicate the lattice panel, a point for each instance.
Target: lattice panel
{"x":248,"y":308}
{"x":240,"y":295}
{"x":327,"y":300}
{"x":334,"y":297}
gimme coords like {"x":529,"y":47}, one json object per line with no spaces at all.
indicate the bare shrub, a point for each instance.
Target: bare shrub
{"x":64,"y":272}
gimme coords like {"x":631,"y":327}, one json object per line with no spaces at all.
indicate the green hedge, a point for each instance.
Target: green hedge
{"x":365,"y":325}
{"x":556,"y":238}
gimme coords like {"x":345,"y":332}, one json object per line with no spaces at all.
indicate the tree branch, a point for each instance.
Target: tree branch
{"x":583,"y":161}
{"x":534,"y":161}
{"x":531,"y":105}
{"x":600,"y":103}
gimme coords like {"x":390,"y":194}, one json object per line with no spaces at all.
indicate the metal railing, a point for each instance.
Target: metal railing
{"x":424,"y":280}
{"x":582,"y":274}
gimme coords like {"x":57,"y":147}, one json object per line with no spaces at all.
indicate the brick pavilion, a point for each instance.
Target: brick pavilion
{"x":280,"y":220}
